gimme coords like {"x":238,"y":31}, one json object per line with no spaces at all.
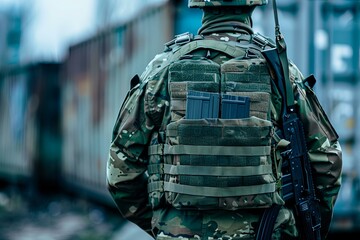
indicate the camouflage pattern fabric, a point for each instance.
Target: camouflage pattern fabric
{"x":142,"y":120}
{"x":210,"y":3}
{"x":219,"y":224}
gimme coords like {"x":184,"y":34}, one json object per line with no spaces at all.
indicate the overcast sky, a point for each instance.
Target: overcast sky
{"x":53,"y":25}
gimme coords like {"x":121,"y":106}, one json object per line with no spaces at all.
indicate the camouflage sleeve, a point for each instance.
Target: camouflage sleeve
{"x":323,"y":148}
{"x":127,"y":164}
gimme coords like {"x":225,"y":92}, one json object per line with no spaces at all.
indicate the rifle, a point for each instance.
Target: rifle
{"x":297,"y":182}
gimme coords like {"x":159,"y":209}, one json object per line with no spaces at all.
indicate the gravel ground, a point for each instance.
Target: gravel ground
{"x":60,"y":217}
{"x":24,"y":216}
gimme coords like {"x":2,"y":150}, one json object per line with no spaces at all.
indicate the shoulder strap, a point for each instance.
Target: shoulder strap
{"x":229,"y":48}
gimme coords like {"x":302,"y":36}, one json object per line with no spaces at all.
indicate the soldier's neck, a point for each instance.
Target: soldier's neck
{"x":226,"y":20}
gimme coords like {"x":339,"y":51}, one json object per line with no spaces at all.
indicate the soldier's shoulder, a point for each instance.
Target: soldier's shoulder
{"x":164,"y":58}
{"x":158,"y":63}
{"x":295,"y":73}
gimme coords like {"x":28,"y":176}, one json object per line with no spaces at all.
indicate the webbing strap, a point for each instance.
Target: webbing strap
{"x":172,"y":132}
{"x":156,"y":149}
{"x":155,"y":168}
{"x":156,"y":186}
{"x":219,"y":192}
{"x":217,"y":170}
{"x":224,"y":47}
{"x":178,"y":104}
{"x":245,"y":132}
{"x":281,"y":49}
{"x":217,"y":150}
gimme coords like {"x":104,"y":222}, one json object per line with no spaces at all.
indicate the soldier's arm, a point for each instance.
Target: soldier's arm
{"x":126,"y":167}
{"x":323,"y":148}
{"x":129,"y":191}
{"x":140,"y":115}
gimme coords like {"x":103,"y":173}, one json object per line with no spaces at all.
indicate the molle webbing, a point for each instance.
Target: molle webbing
{"x":155,"y":153}
{"x":220,"y":132}
{"x":217,"y":150}
{"x":250,"y":78}
{"x":213,"y":139}
{"x":249,"y":86}
{"x":213,"y":160}
{"x":156,"y":149}
{"x":156,"y":186}
{"x":180,"y":89}
{"x":215,"y":163}
{"x":155,"y":168}
{"x":196,"y":74}
{"x":217,"y":170}
{"x":190,"y":74}
{"x":188,"y":71}
{"x":238,"y":77}
{"x":219,"y":192}
{"x":237,"y":70}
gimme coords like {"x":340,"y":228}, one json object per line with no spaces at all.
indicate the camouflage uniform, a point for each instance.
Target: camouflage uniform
{"x":146,"y":112}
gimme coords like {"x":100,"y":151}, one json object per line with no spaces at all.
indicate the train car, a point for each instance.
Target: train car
{"x":97,"y":77}
{"x":338,"y":68}
{"x":30,"y":143}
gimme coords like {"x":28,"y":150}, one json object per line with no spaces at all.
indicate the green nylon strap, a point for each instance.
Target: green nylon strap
{"x":225,"y":47}
{"x":155,"y":168}
{"x":156,"y":186}
{"x":285,"y":66}
{"x":156,"y":149}
{"x":281,"y":49}
{"x":172,"y":132}
{"x":219,"y":192}
{"x":178,"y":105}
{"x":217,"y":150}
{"x":217,"y":171}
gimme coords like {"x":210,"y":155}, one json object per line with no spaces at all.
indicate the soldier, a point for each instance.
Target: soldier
{"x":197,"y":149}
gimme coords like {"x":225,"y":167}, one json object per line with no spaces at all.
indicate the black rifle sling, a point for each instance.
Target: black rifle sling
{"x":267,"y":222}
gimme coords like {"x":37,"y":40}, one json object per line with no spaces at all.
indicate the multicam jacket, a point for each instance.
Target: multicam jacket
{"x":145,"y":113}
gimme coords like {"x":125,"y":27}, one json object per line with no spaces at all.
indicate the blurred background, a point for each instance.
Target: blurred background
{"x":65,"y":68}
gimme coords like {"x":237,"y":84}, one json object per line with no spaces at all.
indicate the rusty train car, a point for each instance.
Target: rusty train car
{"x":97,"y":77}
{"x":56,"y":118}
{"x":90,"y":84}
{"x":30,"y":143}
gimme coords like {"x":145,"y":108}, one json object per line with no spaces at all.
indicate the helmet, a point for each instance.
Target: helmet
{"x":226,"y":3}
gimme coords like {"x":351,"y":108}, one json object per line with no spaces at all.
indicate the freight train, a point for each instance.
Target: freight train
{"x":56,"y":118}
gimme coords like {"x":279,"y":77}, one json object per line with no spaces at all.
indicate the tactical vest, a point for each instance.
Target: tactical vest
{"x":218,"y":150}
